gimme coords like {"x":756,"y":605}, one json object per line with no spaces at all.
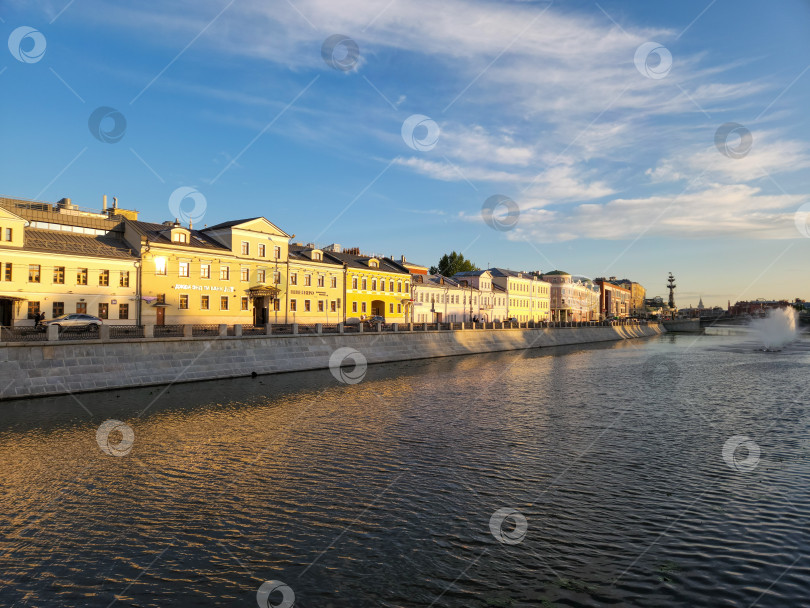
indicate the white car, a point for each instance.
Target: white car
{"x":77,"y":320}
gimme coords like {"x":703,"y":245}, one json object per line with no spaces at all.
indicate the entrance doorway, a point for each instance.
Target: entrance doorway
{"x":6,"y":312}
{"x":377,"y":308}
{"x":260,"y":312}
{"x":160,"y":318}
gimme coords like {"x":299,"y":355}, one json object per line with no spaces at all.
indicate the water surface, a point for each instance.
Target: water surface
{"x":381,"y":493}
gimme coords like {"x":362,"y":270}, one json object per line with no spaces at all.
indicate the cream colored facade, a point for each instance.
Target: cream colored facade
{"x":42,"y":271}
{"x":315,"y":290}
{"x":528,"y":297}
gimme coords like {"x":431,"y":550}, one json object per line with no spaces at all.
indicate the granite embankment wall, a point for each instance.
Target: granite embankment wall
{"x":28,"y":370}
{"x":690,"y":325}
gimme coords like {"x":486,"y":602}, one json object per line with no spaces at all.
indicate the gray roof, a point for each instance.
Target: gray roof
{"x":70,"y":243}
{"x":297,"y":253}
{"x":232,"y":223}
{"x":155,"y":233}
{"x":361,"y":261}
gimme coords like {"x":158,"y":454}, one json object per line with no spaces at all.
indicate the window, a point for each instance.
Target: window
{"x":334,"y":282}
{"x":58,"y":309}
{"x":293,"y":279}
{"x":123,"y":281}
{"x":8,"y":234}
{"x":245,"y":248}
{"x":205,"y":271}
{"x":316,"y":256}
{"x":7,"y":275}
{"x":391,"y":285}
{"x":364,"y":307}
{"x":103,"y":310}
{"x":33,"y":273}
{"x":123,"y":311}
{"x":293,"y":305}
{"x":321,"y":281}
{"x":244,"y":303}
{"x":354,"y":306}
{"x":307,"y":280}
{"x":354,"y":283}
{"x":277,"y":252}
{"x":262,"y":250}
{"x":81,"y":308}
{"x":244,"y":274}
{"x":33,"y":309}
{"x":184,"y":269}
{"x":307,"y":306}
{"x":59,"y":275}
{"x":183,"y":302}
{"x":160,"y":266}
{"x":260,"y":276}
{"x":223,"y":303}
{"x":407,"y":287}
{"x":204,"y":302}
{"x":364,"y":283}
{"x":104,"y":278}
{"x":399,"y":286}
{"x":332,"y":306}
{"x":373,"y":264}
{"x":399,"y":307}
{"x":276,"y":304}
{"x":224,"y":273}
{"x":277,"y":277}
{"x":373,"y":284}
{"x":321,"y":306}
{"x":391,"y":308}
{"x":180,"y":237}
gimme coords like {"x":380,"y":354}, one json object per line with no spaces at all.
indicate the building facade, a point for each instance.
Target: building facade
{"x":637,"y":296}
{"x":614,"y":300}
{"x":59,"y":259}
{"x":528,"y":295}
{"x":315,"y":290}
{"x":573,"y":298}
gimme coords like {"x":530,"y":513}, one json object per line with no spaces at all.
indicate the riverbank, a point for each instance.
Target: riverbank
{"x":38,"y":369}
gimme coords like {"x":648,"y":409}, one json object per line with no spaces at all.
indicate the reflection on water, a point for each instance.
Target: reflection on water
{"x":382,"y":493}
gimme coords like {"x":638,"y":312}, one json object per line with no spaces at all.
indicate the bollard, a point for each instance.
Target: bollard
{"x":104,"y":333}
{"x":188,"y":331}
{"x":319,"y":328}
{"x":237,"y":330}
{"x":223,"y":330}
{"x":379,"y":328}
{"x":149,"y":330}
{"x":340,"y":328}
{"x":53,"y":333}
{"x":395,"y":327}
{"x":268,"y":329}
{"x":424,"y":326}
{"x":295,"y":329}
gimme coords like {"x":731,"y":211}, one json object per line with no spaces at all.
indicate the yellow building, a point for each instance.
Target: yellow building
{"x":59,"y":259}
{"x":528,"y":296}
{"x":315,"y":290}
{"x":373,"y":285}
{"x":233,"y":272}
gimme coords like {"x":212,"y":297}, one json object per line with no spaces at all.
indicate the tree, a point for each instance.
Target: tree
{"x":452,"y":264}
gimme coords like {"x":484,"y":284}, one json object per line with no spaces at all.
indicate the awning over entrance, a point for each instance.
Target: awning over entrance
{"x":12,"y":298}
{"x":261,"y":291}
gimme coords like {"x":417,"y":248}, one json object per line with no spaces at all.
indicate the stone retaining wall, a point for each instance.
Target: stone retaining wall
{"x":36,"y":369}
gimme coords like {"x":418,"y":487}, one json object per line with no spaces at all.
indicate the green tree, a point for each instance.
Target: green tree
{"x":451,"y":263}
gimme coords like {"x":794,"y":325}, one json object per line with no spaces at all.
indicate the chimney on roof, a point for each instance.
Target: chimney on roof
{"x":115,"y":202}
{"x":104,"y":204}
{"x":402,"y":259}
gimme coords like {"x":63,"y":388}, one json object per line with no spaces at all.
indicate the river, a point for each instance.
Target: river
{"x":671,"y":471}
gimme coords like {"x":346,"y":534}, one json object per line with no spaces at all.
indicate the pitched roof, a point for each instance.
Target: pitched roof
{"x":471,"y":273}
{"x":233,"y":223}
{"x":156,"y":234}
{"x":361,"y":261}
{"x":69,"y":243}
{"x":298,"y":253}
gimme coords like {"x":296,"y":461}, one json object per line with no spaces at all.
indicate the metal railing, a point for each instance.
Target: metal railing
{"x":124,"y":332}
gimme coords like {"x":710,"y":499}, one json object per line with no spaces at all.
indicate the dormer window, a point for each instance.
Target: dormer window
{"x":317,"y":256}
{"x":180,"y":237}
{"x":373,"y":263}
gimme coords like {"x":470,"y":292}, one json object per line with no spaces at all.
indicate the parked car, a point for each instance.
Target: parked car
{"x":76,"y":320}
{"x":371,"y":322}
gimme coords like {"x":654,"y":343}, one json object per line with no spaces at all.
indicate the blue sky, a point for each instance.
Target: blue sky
{"x":608,"y":150}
